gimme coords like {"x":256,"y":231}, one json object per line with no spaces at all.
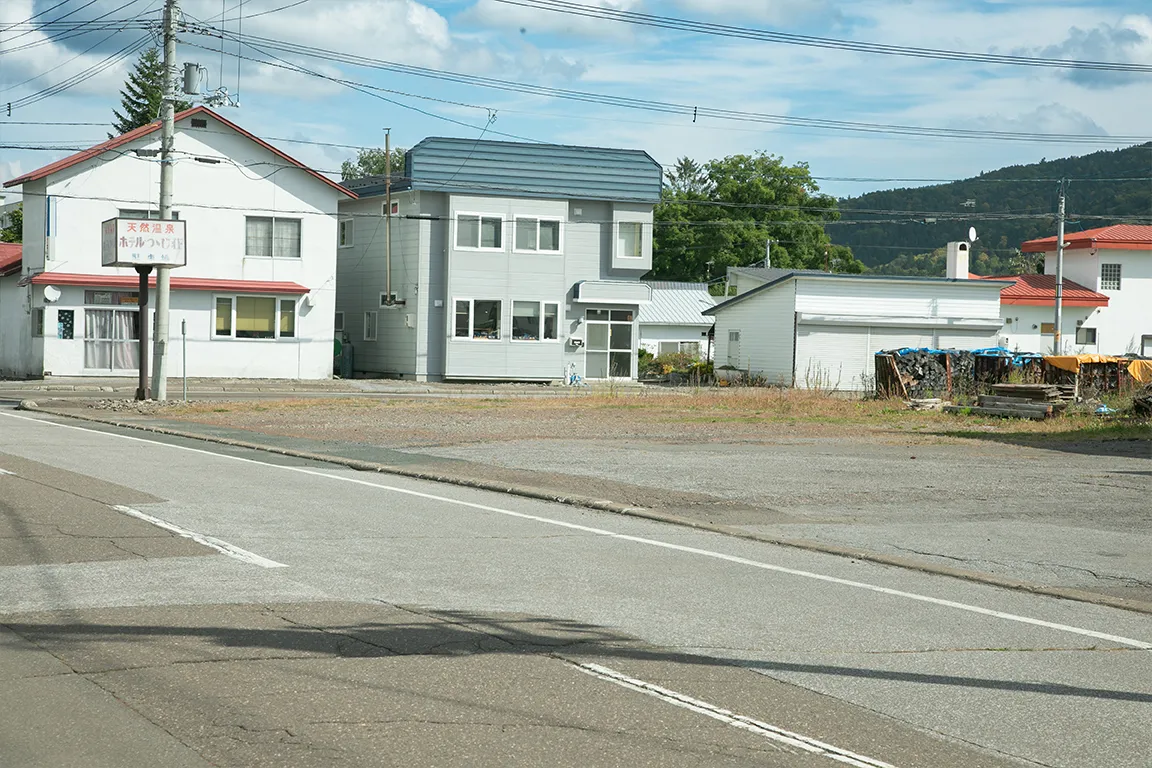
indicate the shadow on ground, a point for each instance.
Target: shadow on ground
{"x":289,"y":633}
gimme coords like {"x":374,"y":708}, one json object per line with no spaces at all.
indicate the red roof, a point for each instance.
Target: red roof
{"x":10,"y":255}
{"x":1040,"y":291}
{"x":178,"y":283}
{"x":1126,"y":237}
{"x":151,"y":128}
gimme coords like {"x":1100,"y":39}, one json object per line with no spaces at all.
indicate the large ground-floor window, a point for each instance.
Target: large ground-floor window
{"x":111,"y":339}
{"x":255,"y":317}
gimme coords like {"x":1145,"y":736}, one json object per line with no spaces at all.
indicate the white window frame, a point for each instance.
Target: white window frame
{"x":1119,"y":277}
{"x":277,"y":298}
{"x":538,"y":250}
{"x":375,"y":325}
{"x":501,"y":328}
{"x":384,"y":299}
{"x":272,"y":254}
{"x":338,"y":322}
{"x":540,"y":330}
{"x":616,"y":239}
{"x":479,"y":233}
{"x":345,"y":233}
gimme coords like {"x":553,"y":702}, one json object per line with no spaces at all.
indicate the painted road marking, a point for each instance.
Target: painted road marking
{"x":639,"y":540}
{"x":220,"y":546}
{"x":6,"y":472}
{"x":757,"y":727}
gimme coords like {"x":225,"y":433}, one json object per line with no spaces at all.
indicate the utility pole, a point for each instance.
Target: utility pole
{"x":388,"y":215}
{"x":1057,"y":341}
{"x":167,"y":140}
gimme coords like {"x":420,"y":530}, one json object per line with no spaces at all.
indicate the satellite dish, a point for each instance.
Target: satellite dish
{"x":51,"y":293}
{"x":971,"y":234}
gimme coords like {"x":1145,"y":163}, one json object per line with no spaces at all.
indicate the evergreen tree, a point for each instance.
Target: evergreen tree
{"x":143,"y":93}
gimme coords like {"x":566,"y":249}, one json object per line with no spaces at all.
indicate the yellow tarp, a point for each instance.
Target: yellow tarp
{"x":1141,"y":370}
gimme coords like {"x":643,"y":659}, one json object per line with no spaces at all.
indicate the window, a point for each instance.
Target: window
{"x":199,"y":122}
{"x":477,"y":319}
{"x":534,"y":320}
{"x":480,"y":232}
{"x":369,"y":326}
{"x":287,"y":318}
{"x":1046,"y":329}
{"x":272,"y":237}
{"x":1146,"y":346}
{"x":538,"y":235}
{"x":338,"y":325}
{"x":387,"y":299}
{"x":255,"y":317}
{"x":629,"y":240}
{"x":38,"y":322}
{"x":110,"y":339}
{"x":345,"y":233}
{"x":223,"y":317}
{"x":1109,"y":277}
{"x":65,"y":323}
{"x":101,"y":298}
{"x":1085,"y":335}
{"x":674,"y":347}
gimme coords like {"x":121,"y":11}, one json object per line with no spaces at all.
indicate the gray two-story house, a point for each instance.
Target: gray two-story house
{"x":509,"y":261}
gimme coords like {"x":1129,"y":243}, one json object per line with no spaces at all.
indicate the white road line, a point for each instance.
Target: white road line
{"x":638,"y":540}
{"x":220,"y":546}
{"x":6,"y":472}
{"x":757,"y":727}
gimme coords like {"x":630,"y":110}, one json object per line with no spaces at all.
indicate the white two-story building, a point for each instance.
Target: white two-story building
{"x":258,"y":294}
{"x":508,"y":261}
{"x":1116,"y":262}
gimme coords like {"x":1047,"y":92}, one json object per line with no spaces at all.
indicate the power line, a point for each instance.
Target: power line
{"x":769,"y":36}
{"x":649,"y":105}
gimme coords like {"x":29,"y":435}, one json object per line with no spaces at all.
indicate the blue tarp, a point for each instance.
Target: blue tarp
{"x":1017,"y":358}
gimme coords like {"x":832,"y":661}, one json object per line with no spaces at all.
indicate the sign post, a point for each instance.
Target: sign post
{"x":143,"y":244}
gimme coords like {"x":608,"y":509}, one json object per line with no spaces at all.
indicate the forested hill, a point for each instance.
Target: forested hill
{"x":1013,"y":190}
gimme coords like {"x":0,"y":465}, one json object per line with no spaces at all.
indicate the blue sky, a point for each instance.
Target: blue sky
{"x":484,"y":37}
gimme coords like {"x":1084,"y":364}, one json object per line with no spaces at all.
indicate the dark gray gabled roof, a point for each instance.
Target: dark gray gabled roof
{"x":783,"y":275}
{"x":520,"y":169}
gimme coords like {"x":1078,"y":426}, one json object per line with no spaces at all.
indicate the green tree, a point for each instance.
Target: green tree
{"x":142,"y":94}
{"x":724,"y":213}
{"x":14,"y":232}
{"x":370,"y":162}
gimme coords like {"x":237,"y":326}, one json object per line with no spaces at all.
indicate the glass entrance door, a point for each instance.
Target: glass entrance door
{"x":609,"y":346}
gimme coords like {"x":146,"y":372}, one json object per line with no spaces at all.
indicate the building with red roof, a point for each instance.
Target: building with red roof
{"x":256,"y":296}
{"x":1112,"y":263}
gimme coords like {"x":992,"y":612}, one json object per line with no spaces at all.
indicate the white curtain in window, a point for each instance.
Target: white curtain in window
{"x":286,"y":238}
{"x":125,"y":348}
{"x":258,"y":237}
{"x":97,"y":339}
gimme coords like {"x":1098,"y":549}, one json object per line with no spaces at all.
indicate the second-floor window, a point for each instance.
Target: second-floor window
{"x":481,"y":232}
{"x":1109,"y":277}
{"x":630,"y":240}
{"x":534,"y":234}
{"x":345,"y":237}
{"x":272,"y":237}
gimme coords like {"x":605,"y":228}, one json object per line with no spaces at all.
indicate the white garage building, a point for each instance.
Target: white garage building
{"x":821,"y":330}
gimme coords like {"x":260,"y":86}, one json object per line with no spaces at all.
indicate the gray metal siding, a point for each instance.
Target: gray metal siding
{"x":533,"y":170}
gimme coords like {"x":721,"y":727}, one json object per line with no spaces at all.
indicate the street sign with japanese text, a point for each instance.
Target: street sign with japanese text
{"x":143,"y":243}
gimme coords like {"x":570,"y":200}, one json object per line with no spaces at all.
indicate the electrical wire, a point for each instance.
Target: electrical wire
{"x":80,"y":77}
{"x":764,"y":35}
{"x":258,"y":44}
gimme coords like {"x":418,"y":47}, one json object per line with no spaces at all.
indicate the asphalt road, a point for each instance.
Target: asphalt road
{"x":241,"y":609}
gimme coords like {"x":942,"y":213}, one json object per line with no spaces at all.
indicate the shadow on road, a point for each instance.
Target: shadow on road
{"x":1092,"y":444}
{"x":417,"y":633}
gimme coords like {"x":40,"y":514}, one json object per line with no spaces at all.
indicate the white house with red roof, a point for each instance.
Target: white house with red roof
{"x":1028,"y":307}
{"x":257,"y":295}
{"x":1112,"y":263}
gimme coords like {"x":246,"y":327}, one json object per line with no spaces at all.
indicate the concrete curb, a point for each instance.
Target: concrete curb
{"x":603,"y":505}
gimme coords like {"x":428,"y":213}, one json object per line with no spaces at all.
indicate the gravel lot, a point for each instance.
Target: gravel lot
{"x":1063,"y":503}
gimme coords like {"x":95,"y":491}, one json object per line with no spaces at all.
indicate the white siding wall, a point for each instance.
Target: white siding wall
{"x":214,"y":200}
{"x":1128,"y":316}
{"x":766,"y":326}
{"x":1019,"y":335}
{"x":865,"y":297}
